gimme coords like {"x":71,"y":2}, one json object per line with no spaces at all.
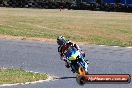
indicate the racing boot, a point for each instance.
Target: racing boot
{"x":72,"y":69}
{"x":67,"y":65}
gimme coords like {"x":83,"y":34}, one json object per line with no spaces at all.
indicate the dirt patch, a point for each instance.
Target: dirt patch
{"x":2,"y":36}
{"x":26,"y":38}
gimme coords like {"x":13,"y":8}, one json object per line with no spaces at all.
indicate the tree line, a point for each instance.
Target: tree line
{"x":36,"y":3}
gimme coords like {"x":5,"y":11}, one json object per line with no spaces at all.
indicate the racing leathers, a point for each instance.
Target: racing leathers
{"x":64,"y":48}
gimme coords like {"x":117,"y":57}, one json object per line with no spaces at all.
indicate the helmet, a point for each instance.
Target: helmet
{"x":61,"y":40}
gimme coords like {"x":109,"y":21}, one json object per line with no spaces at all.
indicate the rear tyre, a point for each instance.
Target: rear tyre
{"x":81,"y":80}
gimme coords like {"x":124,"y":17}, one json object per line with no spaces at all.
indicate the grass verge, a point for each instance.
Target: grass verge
{"x":11,"y":76}
{"x":94,"y":27}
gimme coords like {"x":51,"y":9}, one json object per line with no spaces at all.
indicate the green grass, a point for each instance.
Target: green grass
{"x":94,"y":27}
{"x":11,"y":76}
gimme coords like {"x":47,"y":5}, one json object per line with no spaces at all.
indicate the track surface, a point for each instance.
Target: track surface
{"x":43,"y":57}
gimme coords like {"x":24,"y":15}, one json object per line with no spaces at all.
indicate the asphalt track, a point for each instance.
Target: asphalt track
{"x":43,"y":57}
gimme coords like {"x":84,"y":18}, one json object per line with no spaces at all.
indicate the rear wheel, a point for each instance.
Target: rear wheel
{"x":81,"y":80}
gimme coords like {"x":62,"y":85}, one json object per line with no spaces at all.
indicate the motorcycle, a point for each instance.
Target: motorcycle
{"x":76,"y":61}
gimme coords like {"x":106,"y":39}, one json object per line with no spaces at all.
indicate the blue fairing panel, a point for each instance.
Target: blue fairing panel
{"x":128,"y":1}
{"x":109,"y":1}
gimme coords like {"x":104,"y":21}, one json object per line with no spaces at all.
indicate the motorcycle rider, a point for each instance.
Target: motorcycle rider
{"x":64,"y":45}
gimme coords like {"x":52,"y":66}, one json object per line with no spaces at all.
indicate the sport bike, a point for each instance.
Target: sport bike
{"x":76,"y":60}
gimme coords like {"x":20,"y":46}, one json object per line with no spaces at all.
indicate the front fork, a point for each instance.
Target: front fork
{"x":84,"y":66}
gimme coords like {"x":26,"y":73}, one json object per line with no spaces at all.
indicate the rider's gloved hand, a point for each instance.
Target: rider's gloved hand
{"x":61,"y":56}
